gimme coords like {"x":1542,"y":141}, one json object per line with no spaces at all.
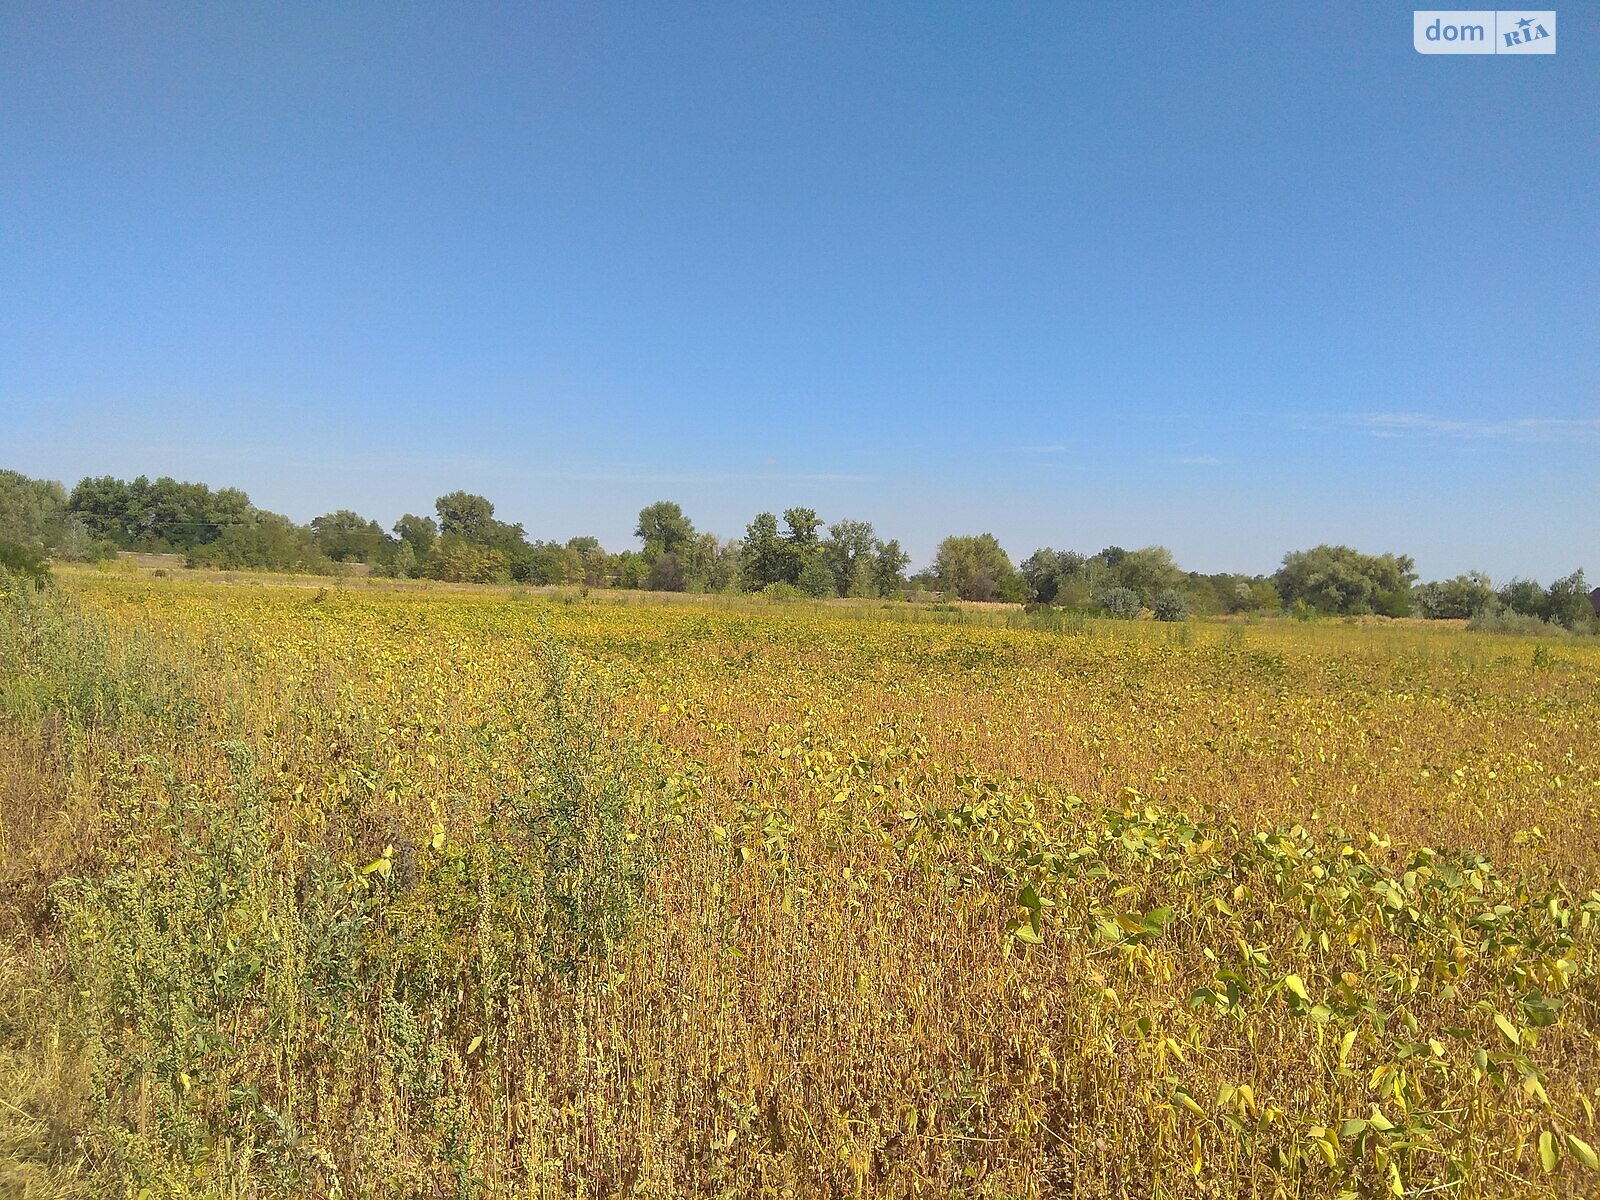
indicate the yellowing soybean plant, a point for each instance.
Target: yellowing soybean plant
{"x":420,"y":893}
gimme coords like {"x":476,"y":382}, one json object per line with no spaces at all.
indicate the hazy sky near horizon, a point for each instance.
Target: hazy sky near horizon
{"x":1237,"y":279}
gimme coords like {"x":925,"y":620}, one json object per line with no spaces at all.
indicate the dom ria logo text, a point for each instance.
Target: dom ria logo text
{"x":1484,"y":31}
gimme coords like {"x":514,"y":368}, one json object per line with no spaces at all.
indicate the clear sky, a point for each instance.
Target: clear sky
{"x":1237,"y":279}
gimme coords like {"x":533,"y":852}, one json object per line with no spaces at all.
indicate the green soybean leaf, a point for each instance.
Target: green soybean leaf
{"x":1549,"y":1153}
{"x":1584,"y":1152}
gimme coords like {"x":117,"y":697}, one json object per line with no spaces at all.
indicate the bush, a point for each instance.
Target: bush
{"x":1463,"y":596}
{"x":1120,"y":602}
{"x":666,"y":574}
{"x":22,"y":562}
{"x":1569,"y":601}
{"x":1504,"y":620}
{"x":1525,"y":596}
{"x":816,"y":580}
{"x":977,"y":568}
{"x":1172,"y":605}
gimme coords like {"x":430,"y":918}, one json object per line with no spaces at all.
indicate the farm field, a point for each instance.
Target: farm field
{"x":413,"y":892}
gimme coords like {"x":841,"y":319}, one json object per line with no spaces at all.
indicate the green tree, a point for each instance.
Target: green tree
{"x":179,"y":515}
{"x":863,"y":583}
{"x":22,"y":562}
{"x":403,"y":561}
{"x":1264,"y":596}
{"x":345,"y":536}
{"x":800,"y":528}
{"x":1569,"y":601}
{"x":459,"y":560}
{"x":1463,"y":596}
{"x":816,"y":579}
{"x":270,"y":542}
{"x":540,"y":563}
{"x":709,"y":564}
{"x":631,"y":569}
{"x":230,"y":506}
{"x":977,"y":568}
{"x":1149,"y":572}
{"x":103,"y":503}
{"x":802,"y":541}
{"x":594,"y":563}
{"x":1337,"y":579}
{"x":1526,"y":596}
{"x":160,"y":515}
{"x":663,"y":529}
{"x":34,"y":513}
{"x":1048,"y":573}
{"x":419,"y":533}
{"x":849,"y":544}
{"x":464,"y":515}
{"x":766,"y":557}
{"x":889,"y":563}
{"x":667,"y":574}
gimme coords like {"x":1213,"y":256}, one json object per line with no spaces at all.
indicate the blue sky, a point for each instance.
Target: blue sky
{"x":1235,"y":279}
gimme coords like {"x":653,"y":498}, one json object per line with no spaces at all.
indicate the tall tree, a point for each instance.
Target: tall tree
{"x":160,"y":515}
{"x":102,"y":502}
{"x":889,"y":563}
{"x":1047,"y":572}
{"x":1337,"y":579}
{"x":1464,"y":596}
{"x":1569,"y":600}
{"x":800,"y":528}
{"x":1149,"y":572}
{"x":417,"y":532}
{"x":32,"y":511}
{"x":847,"y":551}
{"x":977,"y":568}
{"x":663,"y":529}
{"x":801,"y":541}
{"x":345,"y":536}
{"x":464,"y":515}
{"x":765,"y":558}
{"x":269,"y":542}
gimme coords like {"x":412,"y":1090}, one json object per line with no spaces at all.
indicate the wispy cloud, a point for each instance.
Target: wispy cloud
{"x":1508,"y":429}
{"x":1198,"y":460}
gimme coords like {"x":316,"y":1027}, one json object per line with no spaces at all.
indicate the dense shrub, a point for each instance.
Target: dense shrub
{"x":1120,"y":602}
{"x":1494,"y":619}
{"x":816,"y":580}
{"x":1171,"y":605}
{"x":1463,"y":596}
{"x":21,"y":563}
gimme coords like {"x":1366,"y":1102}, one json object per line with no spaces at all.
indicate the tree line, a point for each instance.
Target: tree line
{"x":464,"y":541}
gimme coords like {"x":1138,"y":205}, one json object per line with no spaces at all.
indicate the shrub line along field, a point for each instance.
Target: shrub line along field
{"x":361,"y":892}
